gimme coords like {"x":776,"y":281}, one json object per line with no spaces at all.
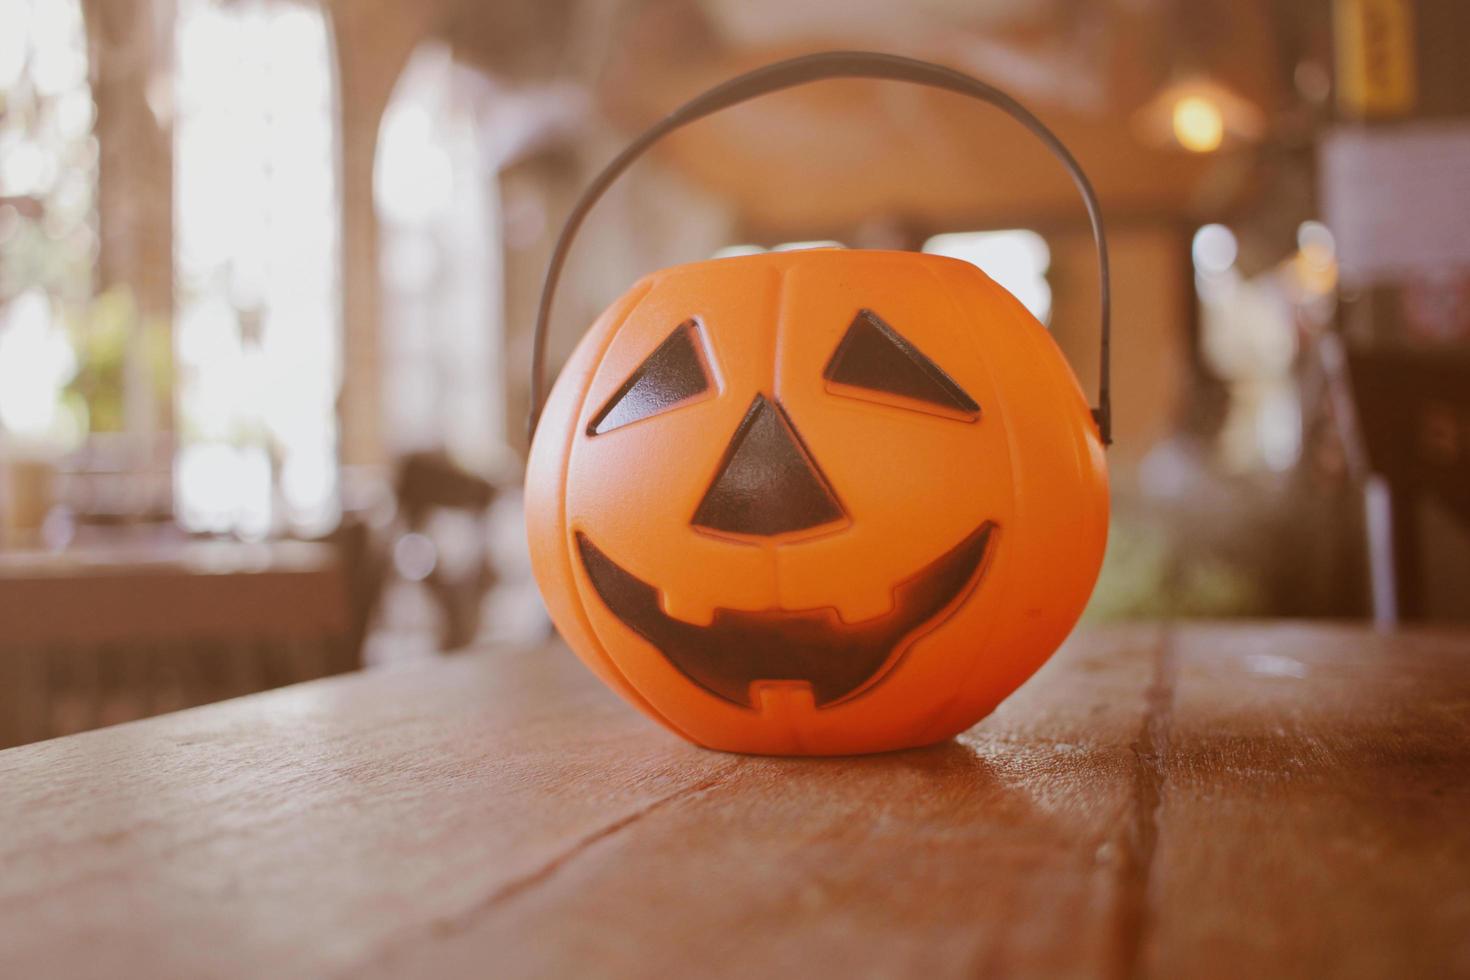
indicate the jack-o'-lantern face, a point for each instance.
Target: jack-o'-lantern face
{"x":768,"y":486}
{"x":788,"y":491}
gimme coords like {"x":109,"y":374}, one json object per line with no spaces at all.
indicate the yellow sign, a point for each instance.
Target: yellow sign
{"x":1376,"y":70}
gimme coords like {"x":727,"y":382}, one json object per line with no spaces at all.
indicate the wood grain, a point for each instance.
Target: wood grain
{"x":1314,"y":813}
{"x":1159,"y":801}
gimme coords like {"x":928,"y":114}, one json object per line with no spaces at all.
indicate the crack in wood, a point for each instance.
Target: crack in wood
{"x":1142,"y":831}
{"x":514,"y":887}
{"x":446,"y":926}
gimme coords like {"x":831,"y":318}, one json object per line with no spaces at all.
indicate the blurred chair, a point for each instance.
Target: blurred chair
{"x":429,"y":486}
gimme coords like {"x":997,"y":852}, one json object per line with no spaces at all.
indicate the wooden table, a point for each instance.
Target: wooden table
{"x":1203,"y":801}
{"x":175,"y":590}
{"x":108,"y":633}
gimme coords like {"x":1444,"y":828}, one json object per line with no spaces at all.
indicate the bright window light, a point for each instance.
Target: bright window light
{"x":35,"y":362}
{"x":802,"y":246}
{"x":256,"y":258}
{"x":48,"y":219}
{"x":436,"y":196}
{"x":1017,"y":259}
{"x":730,"y":251}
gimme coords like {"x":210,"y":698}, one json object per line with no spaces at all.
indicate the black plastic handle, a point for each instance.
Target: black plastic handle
{"x":800,"y":71}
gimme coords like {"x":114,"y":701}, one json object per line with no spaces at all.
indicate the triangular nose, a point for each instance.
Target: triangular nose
{"x":768,"y":483}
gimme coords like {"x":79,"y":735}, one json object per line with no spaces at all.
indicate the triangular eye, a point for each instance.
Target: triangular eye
{"x":673,"y":374}
{"x":874,"y":361}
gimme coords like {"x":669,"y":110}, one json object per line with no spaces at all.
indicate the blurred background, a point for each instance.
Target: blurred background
{"x":268,"y":270}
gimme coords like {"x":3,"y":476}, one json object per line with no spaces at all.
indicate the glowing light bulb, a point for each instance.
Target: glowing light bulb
{"x":1199,"y":126}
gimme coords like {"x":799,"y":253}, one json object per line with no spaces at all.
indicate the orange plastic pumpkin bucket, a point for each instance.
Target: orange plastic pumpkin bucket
{"x":817,"y":502}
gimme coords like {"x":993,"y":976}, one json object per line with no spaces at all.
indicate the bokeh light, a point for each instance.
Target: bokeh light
{"x":1199,"y":125}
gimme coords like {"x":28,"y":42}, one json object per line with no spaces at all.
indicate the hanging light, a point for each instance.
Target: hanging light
{"x":1199,"y":125}
{"x":1199,"y":115}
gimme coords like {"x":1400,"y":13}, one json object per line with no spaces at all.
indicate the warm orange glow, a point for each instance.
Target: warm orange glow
{"x":1199,"y":125}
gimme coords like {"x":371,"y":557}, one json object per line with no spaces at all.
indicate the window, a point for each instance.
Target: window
{"x":435,"y":191}
{"x":48,"y":238}
{"x":257,"y":266}
{"x":1017,"y":259}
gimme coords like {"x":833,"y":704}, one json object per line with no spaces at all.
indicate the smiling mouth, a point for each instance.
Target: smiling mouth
{"x":837,"y":660}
